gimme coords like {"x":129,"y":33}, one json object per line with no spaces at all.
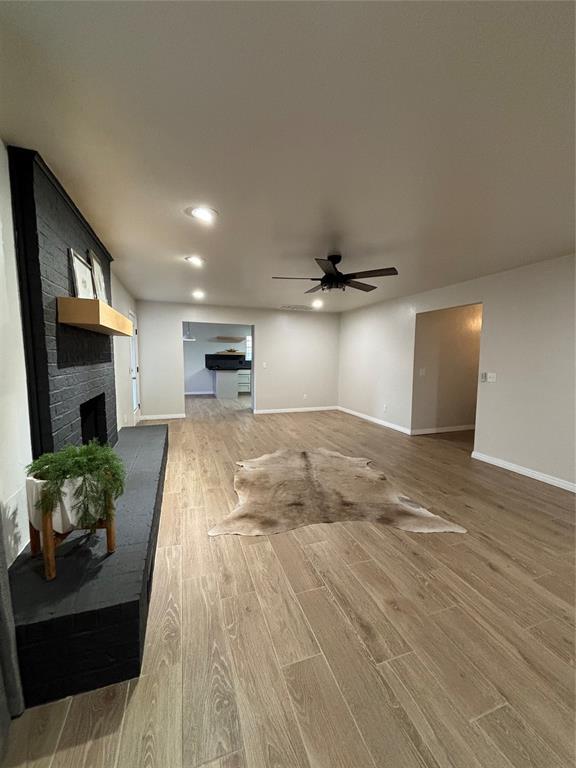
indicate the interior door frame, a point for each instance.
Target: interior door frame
{"x":134,"y":374}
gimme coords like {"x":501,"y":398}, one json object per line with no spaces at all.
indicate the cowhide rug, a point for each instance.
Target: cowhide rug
{"x":289,"y":489}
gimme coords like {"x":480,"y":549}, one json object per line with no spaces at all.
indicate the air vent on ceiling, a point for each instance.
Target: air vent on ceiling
{"x":296,"y":307}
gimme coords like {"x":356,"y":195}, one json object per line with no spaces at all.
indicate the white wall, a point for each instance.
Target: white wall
{"x":295,"y":355}
{"x":527,"y":417}
{"x":15,"y":450}
{"x":197,"y":378}
{"x":123,"y":302}
{"x":445,"y":375}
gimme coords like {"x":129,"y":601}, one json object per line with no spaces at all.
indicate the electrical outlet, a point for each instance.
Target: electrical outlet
{"x":305,"y":397}
{"x":384,"y":408}
{"x":264,"y":365}
{"x":422,"y":372}
{"x":491,"y":378}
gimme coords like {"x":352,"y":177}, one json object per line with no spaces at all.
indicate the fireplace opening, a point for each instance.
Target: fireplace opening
{"x":93,"y":420}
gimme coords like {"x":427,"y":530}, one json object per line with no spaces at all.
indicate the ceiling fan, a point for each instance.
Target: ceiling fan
{"x":334,"y":279}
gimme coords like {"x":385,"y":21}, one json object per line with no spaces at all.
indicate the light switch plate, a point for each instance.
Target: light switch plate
{"x":491,"y":378}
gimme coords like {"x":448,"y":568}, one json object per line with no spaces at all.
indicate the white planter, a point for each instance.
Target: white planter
{"x":63,"y":516}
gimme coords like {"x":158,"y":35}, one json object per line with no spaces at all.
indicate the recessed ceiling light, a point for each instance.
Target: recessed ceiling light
{"x":198,"y":294}
{"x":195,"y":260}
{"x":202,"y":213}
{"x":317,"y":303}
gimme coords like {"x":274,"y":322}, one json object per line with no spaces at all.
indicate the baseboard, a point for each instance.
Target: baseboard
{"x":519,"y":470}
{"x":210,"y":392}
{"x":297,"y":410}
{"x":374,"y":420}
{"x":441,"y":430}
{"x":159,"y":416}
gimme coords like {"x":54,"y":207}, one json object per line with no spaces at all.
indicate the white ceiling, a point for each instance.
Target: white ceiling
{"x":437,"y":137}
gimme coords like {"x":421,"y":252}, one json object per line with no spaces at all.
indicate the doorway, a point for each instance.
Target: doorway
{"x":218,"y":364}
{"x":134,"y":368}
{"x":445,"y":375}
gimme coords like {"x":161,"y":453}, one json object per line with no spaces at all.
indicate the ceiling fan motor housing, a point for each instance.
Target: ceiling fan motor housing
{"x":333,"y":282}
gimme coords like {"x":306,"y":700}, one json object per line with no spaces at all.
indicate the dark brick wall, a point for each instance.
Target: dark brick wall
{"x":80,"y":363}
{"x":66,"y":365}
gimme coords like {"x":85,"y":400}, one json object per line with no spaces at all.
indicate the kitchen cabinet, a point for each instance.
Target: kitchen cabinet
{"x":244,"y":382}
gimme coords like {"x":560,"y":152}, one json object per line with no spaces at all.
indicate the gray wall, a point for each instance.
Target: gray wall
{"x":363,"y":361}
{"x":446,"y":358}
{"x":295,"y":365}
{"x":527,"y":417}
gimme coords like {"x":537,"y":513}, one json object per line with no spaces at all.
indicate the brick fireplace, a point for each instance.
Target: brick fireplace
{"x":66,"y":366}
{"x":86,"y":628}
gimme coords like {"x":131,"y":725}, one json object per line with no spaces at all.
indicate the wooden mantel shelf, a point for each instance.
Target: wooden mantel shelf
{"x":93,"y":315}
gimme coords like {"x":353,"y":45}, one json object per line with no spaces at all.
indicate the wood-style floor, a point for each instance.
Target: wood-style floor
{"x":339,"y":646}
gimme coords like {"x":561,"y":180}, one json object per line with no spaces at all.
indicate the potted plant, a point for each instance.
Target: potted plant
{"x":74,"y":487}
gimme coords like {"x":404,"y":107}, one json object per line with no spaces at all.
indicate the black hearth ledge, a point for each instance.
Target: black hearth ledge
{"x":86,"y":629}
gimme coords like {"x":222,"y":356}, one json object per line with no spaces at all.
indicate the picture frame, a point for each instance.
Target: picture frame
{"x":82,"y":276}
{"x":98,"y":276}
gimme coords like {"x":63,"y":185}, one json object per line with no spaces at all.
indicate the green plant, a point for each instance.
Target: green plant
{"x":97,"y":467}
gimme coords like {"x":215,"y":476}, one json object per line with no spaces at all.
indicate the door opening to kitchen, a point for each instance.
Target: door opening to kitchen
{"x":218,"y":371}
{"x":445,"y":376}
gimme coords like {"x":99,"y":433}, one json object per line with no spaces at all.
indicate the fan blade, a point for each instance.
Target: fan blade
{"x":313,"y":290}
{"x":327,"y":267}
{"x":360,"y":286}
{"x":296,"y":278}
{"x":373,"y":273}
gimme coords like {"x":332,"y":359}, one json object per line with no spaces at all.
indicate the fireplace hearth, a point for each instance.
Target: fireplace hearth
{"x":86,"y":628}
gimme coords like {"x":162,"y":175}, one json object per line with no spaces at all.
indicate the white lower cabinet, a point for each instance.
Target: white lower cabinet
{"x":244,"y":381}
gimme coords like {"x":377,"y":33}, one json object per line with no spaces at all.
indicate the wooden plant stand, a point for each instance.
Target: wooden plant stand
{"x":51,"y":539}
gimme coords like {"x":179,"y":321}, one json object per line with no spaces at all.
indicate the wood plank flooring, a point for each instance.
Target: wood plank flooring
{"x":345,"y":645}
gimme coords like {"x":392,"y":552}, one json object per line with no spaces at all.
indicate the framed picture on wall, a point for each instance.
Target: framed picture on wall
{"x":82,"y":274}
{"x":98,"y":273}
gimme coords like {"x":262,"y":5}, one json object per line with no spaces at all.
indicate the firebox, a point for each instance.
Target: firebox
{"x":93,"y":420}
